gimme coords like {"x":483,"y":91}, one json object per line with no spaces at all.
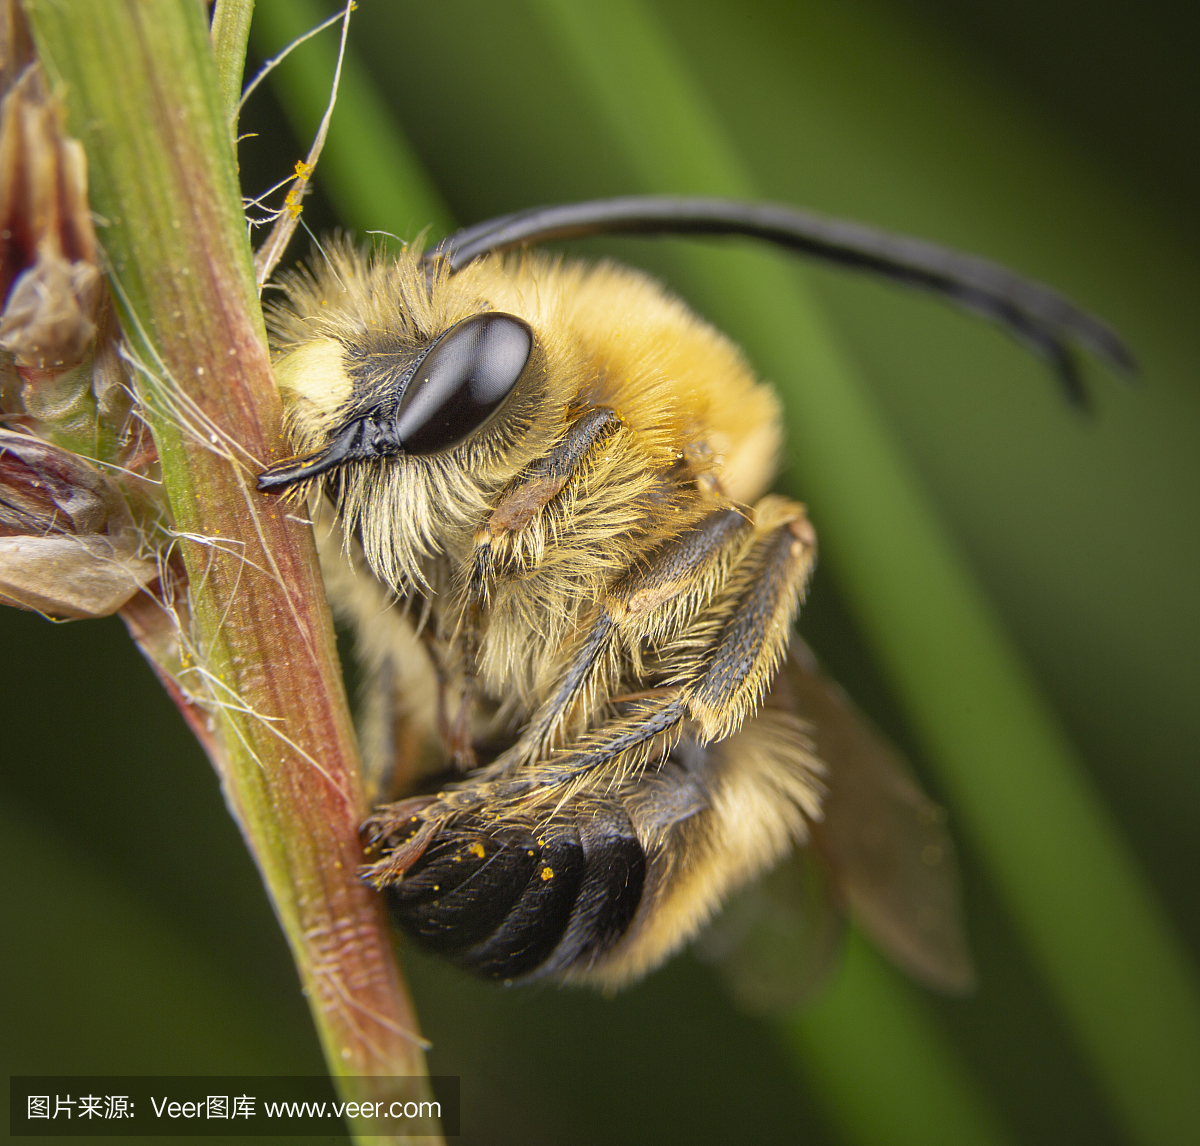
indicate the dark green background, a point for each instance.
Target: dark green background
{"x":1058,"y":137}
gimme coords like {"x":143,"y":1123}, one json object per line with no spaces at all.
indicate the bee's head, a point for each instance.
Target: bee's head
{"x":409,"y":396}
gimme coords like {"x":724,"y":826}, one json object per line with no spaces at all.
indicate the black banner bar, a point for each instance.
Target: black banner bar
{"x":227,"y":1106}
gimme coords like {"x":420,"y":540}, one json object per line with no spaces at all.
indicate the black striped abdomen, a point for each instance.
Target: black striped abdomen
{"x":509,"y":903}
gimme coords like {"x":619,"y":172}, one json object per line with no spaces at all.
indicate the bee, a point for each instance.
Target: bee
{"x":542,"y":492}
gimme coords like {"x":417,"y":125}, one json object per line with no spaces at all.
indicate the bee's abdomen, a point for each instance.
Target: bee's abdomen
{"x":508,"y":903}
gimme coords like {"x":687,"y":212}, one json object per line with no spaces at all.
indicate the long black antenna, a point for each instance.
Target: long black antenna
{"x":1046,"y":322}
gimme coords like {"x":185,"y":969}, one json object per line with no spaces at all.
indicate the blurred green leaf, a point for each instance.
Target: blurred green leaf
{"x":888,"y":1072}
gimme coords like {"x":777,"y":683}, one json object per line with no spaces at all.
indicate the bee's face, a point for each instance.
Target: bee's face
{"x":412,"y":394}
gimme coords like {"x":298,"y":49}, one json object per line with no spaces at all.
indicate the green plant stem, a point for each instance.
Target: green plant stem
{"x":1016,"y":785}
{"x":142,"y":95}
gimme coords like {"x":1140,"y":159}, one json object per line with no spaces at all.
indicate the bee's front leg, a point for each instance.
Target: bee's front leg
{"x":505,"y":539}
{"x":507,"y":543}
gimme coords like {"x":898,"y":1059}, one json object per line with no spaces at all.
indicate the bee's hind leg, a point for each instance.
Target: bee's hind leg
{"x":676,"y":771}
{"x":756,"y":611}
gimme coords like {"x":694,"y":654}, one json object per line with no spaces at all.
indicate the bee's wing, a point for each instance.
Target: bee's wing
{"x":777,"y":941}
{"x":891,"y":860}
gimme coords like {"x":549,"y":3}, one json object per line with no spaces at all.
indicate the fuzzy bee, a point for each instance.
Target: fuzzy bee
{"x":574,"y":596}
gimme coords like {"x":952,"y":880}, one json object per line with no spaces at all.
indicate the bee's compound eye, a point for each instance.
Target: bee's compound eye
{"x":462,"y":381}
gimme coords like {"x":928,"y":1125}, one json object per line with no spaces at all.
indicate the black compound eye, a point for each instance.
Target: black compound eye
{"x":462,"y":381}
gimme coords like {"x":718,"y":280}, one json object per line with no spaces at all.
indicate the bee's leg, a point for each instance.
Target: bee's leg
{"x":458,"y":740}
{"x":760,"y":604}
{"x":680,"y":795}
{"x":719,"y":669}
{"x":397,"y":715}
{"x":429,"y":641}
{"x":651,"y":603}
{"x":733,"y":647}
{"x":499,"y":544}
{"x":455,"y":731}
{"x":534,"y":489}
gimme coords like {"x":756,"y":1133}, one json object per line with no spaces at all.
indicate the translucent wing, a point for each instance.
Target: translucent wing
{"x":891,"y":860}
{"x":778,"y":940}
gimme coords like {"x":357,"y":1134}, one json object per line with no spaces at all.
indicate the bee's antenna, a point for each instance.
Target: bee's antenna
{"x":1046,"y":322}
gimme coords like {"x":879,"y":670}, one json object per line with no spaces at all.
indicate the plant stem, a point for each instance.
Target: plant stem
{"x":143,"y":95}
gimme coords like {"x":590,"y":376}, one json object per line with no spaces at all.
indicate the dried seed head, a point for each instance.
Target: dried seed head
{"x":68,"y":544}
{"x":49,"y":279}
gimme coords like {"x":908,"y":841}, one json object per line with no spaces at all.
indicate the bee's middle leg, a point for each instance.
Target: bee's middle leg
{"x":717,"y":671}
{"x":720,"y":665}
{"x":650,"y":602}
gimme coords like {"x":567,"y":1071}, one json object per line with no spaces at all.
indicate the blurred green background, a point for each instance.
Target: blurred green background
{"x":1060,"y":138}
